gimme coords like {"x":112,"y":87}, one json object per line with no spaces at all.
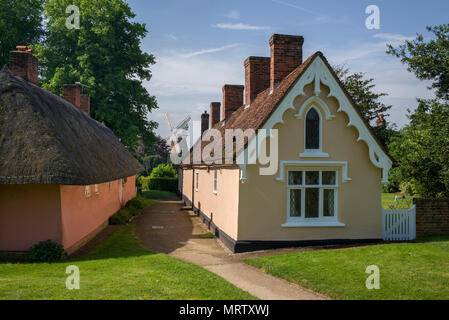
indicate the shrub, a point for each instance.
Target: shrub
{"x":131,"y":209}
{"x":164,"y":171}
{"x":121,"y":217}
{"x":163,"y":184}
{"x":137,"y":203}
{"x":145,"y":183}
{"x":46,"y":251}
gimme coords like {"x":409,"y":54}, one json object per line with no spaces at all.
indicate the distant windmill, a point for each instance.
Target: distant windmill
{"x":178,"y":132}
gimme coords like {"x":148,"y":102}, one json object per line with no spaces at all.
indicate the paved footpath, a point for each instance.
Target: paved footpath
{"x":164,"y":227}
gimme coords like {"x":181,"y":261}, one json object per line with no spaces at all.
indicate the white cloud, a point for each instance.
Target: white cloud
{"x":392,"y":37}
{"x":239,"y":26}
{"x":186,"y":84}
{"x":170,"y":36}
{"x":233,"y":14}
{"x":206,"y":51}
{"x":294,"y":6}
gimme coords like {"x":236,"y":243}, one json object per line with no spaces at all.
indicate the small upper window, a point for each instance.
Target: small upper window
{"x":312,"y":130}
{"x":197,"y":176}
{"x":96,"y":189}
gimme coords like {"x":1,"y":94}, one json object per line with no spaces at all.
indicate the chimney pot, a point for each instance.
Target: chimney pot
{"x":286,"y":55}
{"x":24,"y":64}
{"x":257,"y":77}
{"x":204,"y":122}
{"x":74,"y":94}
{"x":232,"y":99}
{"x":215,"y":113}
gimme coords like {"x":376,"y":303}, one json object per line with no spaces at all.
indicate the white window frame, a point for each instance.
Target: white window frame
{"x":314,"y":153}
{"x":321,"y":221}
{"x":87,"y":191}
{"x":197,"y":178}
{"x":215,"y":181}
{"x":96,"y":190}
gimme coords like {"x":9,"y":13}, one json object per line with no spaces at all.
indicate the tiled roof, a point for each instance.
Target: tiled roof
{"x":260,"y":110}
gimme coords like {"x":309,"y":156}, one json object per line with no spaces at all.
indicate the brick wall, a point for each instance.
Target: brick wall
{"x":232,"y":99}
{"x":432,"y":216}
{"x":257,"y":77}
{"x":286,"y":55}
{"x":204,"y":122}
{"x":215,"y":113}
{"x":24,"y":64}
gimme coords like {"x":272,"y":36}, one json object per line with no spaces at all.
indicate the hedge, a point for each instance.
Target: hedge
{"x":163,"y":184}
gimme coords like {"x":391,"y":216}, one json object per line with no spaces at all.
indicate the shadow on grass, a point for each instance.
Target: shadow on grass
{"x":432,"y":238}
{"x":123,"y":243}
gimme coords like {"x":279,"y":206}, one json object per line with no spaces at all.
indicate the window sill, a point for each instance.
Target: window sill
{"x":314,"y":154}
{"x":314,"y":224}
{"x":215,"y":192}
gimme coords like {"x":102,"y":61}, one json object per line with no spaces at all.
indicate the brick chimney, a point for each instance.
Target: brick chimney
{"x":24,"y":64}
{"x":232,"y":99}
{"x":214,"y":113}
{"x":257,"y":77}
{"x":286,"y":55}
{"x":204,"y":122}
{"x":381,"y":122}
{"x":74,"y":94}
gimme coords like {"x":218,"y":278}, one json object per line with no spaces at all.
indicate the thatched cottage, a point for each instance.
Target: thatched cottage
{"x":62,"y":174}
{"x":326,"y":185}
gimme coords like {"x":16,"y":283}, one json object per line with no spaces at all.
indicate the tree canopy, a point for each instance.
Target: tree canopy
{"x":428,"y":59}
{"x":20,"y":24}
{"x":367,"y":100}
{"x":104,"y":54}
{"x":422,"y":148}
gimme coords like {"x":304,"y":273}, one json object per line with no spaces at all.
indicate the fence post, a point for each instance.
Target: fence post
{"x":413,"y":223}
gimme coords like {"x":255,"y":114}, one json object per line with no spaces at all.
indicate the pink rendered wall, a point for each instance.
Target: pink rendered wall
{"x":82,"y":215}
{"x":29,"y":214}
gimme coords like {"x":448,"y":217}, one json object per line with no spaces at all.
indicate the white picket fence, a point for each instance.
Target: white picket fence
{"x":399,"y":224}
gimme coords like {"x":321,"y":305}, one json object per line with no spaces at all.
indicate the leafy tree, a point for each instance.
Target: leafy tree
{"x":161,"y":148}
{"x":164,"y":171}
{"x":361,"y":91}
{"x":151,"y":162}
{"x":422,"y":149}
{"x":20,"y":24}
{"x":429,"y":60}
{"x":105,"y":54}
{"x":368,"y":101}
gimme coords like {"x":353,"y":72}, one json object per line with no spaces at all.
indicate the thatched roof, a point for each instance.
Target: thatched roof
{"x":45,"y":139}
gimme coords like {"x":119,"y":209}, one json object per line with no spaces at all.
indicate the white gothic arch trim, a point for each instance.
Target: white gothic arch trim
{"x":310,"y":103}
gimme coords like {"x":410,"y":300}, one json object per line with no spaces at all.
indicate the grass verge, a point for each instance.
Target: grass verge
{"x":119,"y":268}
{"x":418,"y":270}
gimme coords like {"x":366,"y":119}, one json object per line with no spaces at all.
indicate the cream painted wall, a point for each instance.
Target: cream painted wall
{"x":222,"y":207}
{"x":263,"y":200}
{"x":187,"y":185}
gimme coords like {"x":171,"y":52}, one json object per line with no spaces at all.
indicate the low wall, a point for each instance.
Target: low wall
{"x":432,"y":216}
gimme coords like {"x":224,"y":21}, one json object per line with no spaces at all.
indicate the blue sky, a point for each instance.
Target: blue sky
{"x":201,"y":44}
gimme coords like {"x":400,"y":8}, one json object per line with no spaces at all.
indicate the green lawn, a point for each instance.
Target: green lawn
{"x":407,"y":270}
{"x":157,"y":194}
{"x":389,"y":203}
{"x":120,"y":268}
